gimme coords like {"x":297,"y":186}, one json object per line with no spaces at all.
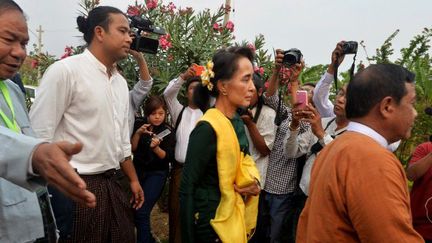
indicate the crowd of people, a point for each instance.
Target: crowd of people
{"x":244,"y":165}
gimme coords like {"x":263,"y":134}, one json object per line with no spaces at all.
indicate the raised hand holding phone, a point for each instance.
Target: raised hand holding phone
{"x":302,"y":98}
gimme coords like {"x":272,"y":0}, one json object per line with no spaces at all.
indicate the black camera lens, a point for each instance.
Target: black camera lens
{"x":291,"y":57}
{"x":350,"y":47}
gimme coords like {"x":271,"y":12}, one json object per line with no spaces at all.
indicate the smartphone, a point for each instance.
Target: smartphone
{"x":163,"y":134}
{"x":302,"y":98}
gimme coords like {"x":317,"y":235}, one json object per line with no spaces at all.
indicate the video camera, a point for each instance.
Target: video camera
{"x":145,"y":43}
{"x":291,"y":57}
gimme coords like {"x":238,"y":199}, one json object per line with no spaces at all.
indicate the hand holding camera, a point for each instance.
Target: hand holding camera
{"x":278,"y":60}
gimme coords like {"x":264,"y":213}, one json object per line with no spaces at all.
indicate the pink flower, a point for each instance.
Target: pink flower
{"x":151,"y":4}
{"x":259,"y":70}
{"x":68,"y":52}
{"x":165,"y":42}
{"x":171,"y":7}
{"x":230,"y":26}
{"x":216,"y":26}
{"x":251,"y":46}
{"x":34,"y":63}
{"x":133,"y":11}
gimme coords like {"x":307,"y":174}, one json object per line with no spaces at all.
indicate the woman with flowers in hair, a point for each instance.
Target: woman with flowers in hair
{"x":220,"y":183}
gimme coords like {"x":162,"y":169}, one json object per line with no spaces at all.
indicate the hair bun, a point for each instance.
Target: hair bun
{"x":82,"y":24}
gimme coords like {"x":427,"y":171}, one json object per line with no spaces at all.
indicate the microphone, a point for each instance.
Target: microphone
{"x":428,"y":111}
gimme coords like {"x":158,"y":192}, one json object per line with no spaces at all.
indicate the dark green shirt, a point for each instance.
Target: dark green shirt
{"x":199,"y":189}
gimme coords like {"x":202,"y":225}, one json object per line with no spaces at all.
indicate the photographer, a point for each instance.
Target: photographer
{"x":318,"y":135}
{"x":185,"y":119}
{"x":321,"y":93}
{"x":152,"y":155}
{"x":281,"y":179}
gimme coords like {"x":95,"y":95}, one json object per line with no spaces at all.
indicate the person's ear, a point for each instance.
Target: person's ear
{"x":99,"y":33}
{"x":387,"y":107}
{"x":222,"y":87}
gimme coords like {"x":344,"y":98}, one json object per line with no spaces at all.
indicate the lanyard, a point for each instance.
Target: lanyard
{"x":10,"y":124}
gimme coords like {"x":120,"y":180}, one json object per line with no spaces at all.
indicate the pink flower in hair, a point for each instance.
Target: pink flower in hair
{"x":216,"y":26}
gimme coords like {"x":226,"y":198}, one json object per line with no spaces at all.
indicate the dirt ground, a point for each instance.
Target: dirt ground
{"x":159,"y":224}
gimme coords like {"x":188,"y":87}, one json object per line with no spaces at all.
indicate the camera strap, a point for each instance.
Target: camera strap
{"x":351,"y":70}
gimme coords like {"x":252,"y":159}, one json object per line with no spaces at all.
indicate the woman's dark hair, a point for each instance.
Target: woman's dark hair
{"x":259,"y":84}
{"x":99,"y":16}
{"x":190,"y":80}
{"x":371,"y":85}
{"x":153,"y":103}
{"x":6,"y":5}
{"x":225,"y":65}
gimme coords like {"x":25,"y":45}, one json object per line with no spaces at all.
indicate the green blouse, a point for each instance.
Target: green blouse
{"x":199,"y":189}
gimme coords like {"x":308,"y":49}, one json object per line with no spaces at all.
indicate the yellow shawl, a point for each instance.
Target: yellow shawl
{"x":235,"y":218}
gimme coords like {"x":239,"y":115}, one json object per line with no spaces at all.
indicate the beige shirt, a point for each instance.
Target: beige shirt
{"x":358,"y":193}
{"x":78,"y":101}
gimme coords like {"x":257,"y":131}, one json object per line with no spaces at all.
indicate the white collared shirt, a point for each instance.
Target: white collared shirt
{"x":363,"y":129}
{"x":189,"y":118}
{"x":78,"y":102}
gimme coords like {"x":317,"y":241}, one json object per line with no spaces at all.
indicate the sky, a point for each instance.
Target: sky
{"x":313,"y":26}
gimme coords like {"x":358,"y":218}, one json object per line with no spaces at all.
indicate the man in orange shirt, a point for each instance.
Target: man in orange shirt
{"x":358,"y":190}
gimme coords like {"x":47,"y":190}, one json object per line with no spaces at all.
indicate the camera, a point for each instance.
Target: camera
{"x":349,"y":47}
{"x":291,"y":57}
{"x":145,"y":43}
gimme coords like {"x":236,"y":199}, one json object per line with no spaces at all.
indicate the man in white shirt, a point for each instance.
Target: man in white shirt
{"x":184,"y":119}
{"x":84,"y":98}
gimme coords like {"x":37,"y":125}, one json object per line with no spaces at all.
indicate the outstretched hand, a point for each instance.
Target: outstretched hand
{"x":51,"y":161}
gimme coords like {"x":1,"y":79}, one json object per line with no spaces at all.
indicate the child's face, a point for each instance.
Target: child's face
{"x":157,"y":117}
